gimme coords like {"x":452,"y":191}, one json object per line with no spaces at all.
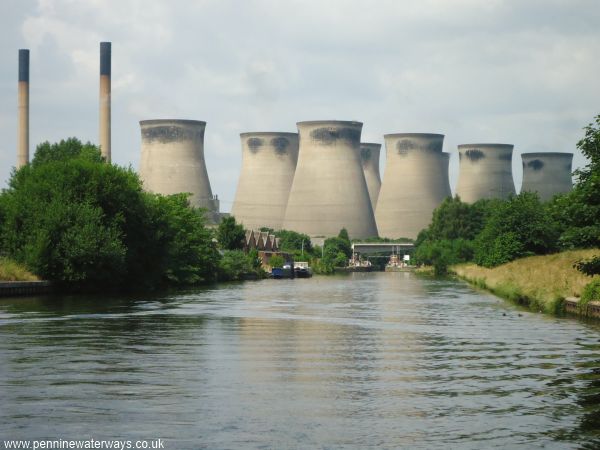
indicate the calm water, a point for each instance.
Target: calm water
{"x":365,"y":361}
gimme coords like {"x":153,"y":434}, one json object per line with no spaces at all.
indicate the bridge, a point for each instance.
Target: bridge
{"x":398,"y":253}
{"x":389,"y":248}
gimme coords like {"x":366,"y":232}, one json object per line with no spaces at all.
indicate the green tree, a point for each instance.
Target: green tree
{"x":276,"y":261}
{"x":230,"y":234}
{"x":80,"y":222}
{"x":291,"y":241}
{"x":578,"y":212}
{"x":520,"y":226}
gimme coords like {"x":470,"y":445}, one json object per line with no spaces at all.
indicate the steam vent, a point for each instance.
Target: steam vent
{"x":173,"y":160}
{"x":547,"y":174}
{"x":329,"y":191}
{"x":485,"y":171}
{"x":23,"y":133}
{"x":415,"y":183}
{"x":369,"y":156}
{"x":268,"y":166}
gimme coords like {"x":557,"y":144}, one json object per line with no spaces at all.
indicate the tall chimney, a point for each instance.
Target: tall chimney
{"x":105,"y":56}
{"x":23,"y":137}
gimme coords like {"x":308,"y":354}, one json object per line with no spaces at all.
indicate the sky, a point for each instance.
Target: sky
{"x":522,"y":72}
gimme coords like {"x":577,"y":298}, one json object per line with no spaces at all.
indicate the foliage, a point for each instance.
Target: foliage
{"x":276,"y":261}
{"x":442,"y":253}
{"x":12,"y":271}
{"x":236,"y":265}
{"x":454,"y":219}
{"x":343,"y":234}
{"x":542,"y":282}
{"x":578,"y":212}
{"x":520,"y":226}
{"x":66,"y":150}
{"x":336,"y":251}
{"x":191,"y":256}
{"x":589,"y":267}
{"x":449,"y":238}
{"x":591,"y":292}
{"x":291,"y":241}
{"x":230,"y":234}
{"x":75,"y":220}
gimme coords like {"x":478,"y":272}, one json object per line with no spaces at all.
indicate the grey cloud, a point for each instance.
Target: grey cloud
{"x":501,"y":70}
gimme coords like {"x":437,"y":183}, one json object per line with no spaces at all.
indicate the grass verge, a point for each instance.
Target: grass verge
{"x":11,"y":271}
{"x":540,"y":282}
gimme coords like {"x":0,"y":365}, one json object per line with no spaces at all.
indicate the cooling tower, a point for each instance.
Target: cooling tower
{"x":23,"y":133}
{"x":369,"y":156}
{"x":173,"y":160}
{"x":485,"y":171}
{"x":415,"y":183}
{"x":547,"y":174}
{"x":268,"y":166}
{"x":105,"y":68}
{"x":329,"y":191}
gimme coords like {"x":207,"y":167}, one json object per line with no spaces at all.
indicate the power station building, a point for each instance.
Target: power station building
{"x":329,"y":191}
{"x":547,"y":174}
{"x":415,"y":183}
{"x":268,"y":165}
{"x":173,"y":160}
{"x":369,"y":156}
{"x":485,"y":172}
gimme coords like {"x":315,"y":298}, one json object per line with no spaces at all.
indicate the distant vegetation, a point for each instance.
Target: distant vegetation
{"x":493,"y":232}
{"x":71,"y":218}
{"x":335,"y":251}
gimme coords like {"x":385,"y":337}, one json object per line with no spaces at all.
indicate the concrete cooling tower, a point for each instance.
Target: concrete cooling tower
{"x":329,"y":191}
{"x":485,"y":171}
{"x":369,"y":156}
{"x":415,"y":183}
{"x":173,"y":160}
{"x":547,"y":174}
{"x":268,"y":166}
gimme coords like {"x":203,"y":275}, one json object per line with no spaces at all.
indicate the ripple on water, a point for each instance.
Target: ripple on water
{"x":365,"y":361}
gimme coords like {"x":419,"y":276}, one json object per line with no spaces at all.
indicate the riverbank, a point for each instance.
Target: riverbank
{"x":540,"y":282}
{"x":11,"y":271}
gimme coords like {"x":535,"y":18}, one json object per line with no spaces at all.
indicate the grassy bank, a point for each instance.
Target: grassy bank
{"x":11,"y":271}
{"x":541,"y":282}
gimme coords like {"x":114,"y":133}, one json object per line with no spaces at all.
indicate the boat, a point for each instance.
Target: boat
{"x":301,"y":270}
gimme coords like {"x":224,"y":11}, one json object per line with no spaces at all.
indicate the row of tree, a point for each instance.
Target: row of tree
{"x":73,"y":219}
{"x":493,"y":232}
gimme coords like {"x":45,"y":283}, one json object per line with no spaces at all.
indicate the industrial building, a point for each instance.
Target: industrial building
{"x":547,"y":174}
{"x":268,"y":165}
{"x":414,"y":184}
{"x":369,"y":156}
{"x":173,"y":160}
{"x":329,"y":191}
{"x":485,"y":171}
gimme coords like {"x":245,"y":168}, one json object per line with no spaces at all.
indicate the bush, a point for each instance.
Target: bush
{"x":230,"y":234}
{"x":236,"y":265}
{"x":75,"y":220}
{"x":276,"y":261}
{"x":591,"y":292}
{"x":518,"y":227}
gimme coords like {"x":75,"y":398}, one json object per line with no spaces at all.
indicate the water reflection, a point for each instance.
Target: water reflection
{"x":367,"y":360}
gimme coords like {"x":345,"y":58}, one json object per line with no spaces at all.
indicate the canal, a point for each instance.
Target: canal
{"x":372,"y":360}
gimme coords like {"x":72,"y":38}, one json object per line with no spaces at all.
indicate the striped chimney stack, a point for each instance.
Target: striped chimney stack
{"x":23,"y":133}
{"x":105,"y":68}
